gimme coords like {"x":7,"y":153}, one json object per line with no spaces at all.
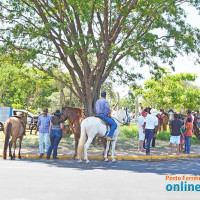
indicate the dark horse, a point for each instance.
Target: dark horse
{"x":75,"y":117}
{"x":15,"y":127}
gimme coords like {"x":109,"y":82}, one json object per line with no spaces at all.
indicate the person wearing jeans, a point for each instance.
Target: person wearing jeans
{"x":188,"y":134}
{"x":55,"y":131}
{"x":43,"y":124}
{"x":148,"y":134}
{"x":103,"y":109}
{"x":151,"y":127}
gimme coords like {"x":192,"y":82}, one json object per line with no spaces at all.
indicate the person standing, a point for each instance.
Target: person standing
{"x":171,"y":116}
{"x":151,"y":128}
{"x":175,"y":130}
{"x":55,"y":133}
{"x":140,"y":109}
{"x":103,"y":110}
{"x":141,"y":131}
{"x":188,"y":134}
{"x":43,"y":124}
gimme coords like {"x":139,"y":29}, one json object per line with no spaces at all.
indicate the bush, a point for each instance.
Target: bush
{"x":130,"y":131}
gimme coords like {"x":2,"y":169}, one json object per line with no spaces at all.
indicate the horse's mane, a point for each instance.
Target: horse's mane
{"x":80,"y":110}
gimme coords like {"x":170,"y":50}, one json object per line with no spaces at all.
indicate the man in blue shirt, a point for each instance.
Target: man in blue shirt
{"x":103,"y":110}
{"x":43,"y":124}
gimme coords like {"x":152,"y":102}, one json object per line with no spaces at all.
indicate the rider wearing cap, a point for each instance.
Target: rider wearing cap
{"x":103,"y":110}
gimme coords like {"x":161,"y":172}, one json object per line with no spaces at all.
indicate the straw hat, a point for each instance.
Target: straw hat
{"x":154,"y":111}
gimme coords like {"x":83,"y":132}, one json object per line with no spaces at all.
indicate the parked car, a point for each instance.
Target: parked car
{"x":7,"y":112}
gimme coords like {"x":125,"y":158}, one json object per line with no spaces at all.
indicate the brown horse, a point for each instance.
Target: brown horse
{"x":15,"y":127}
{"x":75,"y":117}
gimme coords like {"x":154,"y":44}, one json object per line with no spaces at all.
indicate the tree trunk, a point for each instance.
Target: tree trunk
{"x":61,"y":96}
{"x":89,"y":103}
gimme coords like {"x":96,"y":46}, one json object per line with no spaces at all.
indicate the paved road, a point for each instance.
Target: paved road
{"x":70,"y":180}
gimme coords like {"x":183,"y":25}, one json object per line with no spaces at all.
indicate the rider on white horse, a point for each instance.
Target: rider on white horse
{"x":103,"y":110}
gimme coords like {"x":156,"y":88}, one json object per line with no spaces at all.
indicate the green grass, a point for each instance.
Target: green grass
{"x":128,"y":139}
{"x":131,"y":131}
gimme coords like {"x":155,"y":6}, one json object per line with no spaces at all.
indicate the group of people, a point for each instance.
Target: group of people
{"x":50,"y":127}
{"x":181,"y":129}
{"x":147,"y":128}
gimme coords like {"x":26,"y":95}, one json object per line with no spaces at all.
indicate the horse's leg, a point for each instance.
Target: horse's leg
{"x":76,"y":145}
{"x":103,"y":141}
{"x":113,"y":150}
{"x":106,"y":151}
{"x":86,"y":146}
{"x":10,"y":148}
{"x":14,"y":148}
{"x":20,"y":145}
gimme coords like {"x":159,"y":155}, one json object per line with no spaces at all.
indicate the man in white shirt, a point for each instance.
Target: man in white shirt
{"x":141,"y":132}
{"x":151,"y":128}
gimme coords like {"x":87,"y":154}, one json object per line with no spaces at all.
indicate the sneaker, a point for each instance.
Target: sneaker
{"x":48,"y":157}
{"x":55,"y":158}
{"x":108,"y":138}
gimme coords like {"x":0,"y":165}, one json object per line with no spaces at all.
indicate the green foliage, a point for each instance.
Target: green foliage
{"x":24,"y":88}
{"x":171,"y":91}
{"x":71,"y":32}
{"x":130,"y":131}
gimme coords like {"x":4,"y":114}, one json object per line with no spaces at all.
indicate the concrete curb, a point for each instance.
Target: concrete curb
{"x":120,"y":157}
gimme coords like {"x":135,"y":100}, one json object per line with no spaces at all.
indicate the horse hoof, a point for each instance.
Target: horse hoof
{"x":106,"y":160}
{"x":87,"y":161}
{"x":79,"y":160}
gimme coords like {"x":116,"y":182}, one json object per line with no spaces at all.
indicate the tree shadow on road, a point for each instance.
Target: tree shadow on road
{"x":162,"y":167}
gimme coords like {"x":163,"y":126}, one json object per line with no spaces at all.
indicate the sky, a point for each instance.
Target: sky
{"x":183,"y":64}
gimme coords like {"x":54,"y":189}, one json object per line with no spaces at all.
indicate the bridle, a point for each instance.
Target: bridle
{"x":76,"y":116}
{"x":123,"y":123}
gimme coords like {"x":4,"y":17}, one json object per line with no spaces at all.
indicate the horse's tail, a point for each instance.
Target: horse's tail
{"x":82,"y":140}
{"x":7,"y":137}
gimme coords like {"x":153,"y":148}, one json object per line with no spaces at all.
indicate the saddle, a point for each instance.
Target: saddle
{"x":103,"y":121}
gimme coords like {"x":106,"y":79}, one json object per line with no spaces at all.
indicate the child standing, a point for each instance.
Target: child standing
{"x":188,"y":134}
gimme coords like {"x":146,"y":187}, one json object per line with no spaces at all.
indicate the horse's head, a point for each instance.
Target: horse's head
{"x":71,"y":113}
{"x":121,"y":115}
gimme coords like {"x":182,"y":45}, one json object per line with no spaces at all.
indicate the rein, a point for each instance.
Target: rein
{"x":76,"y":119}
{"x":72,"y":114}
{"x":118,"y":121}
{"x":123,"y":123}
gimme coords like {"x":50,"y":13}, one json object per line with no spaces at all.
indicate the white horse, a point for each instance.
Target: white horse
{"x":93,"y":126}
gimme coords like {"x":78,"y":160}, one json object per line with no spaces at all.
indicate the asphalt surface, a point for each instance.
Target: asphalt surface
{"x":69,"y":180}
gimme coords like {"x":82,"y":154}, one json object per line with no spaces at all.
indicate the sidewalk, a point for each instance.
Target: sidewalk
{"x":156,"y":153}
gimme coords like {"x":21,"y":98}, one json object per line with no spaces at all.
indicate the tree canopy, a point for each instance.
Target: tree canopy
{"x":91,"y":37}
{"x":171,"y":91}
{"x":23,"y":87}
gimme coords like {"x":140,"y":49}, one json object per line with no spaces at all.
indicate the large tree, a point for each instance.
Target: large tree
{"x":91,"y":37}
